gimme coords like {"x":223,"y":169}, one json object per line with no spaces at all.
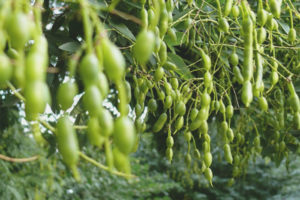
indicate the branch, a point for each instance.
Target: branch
{"x":18,"y":160}
{"x":126,"y":16}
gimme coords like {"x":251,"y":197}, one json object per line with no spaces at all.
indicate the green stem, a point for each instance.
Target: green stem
{"x":99,"y":165}
{"x":86,"y":24}
{"x":219,"y":8}
{"x":122,"y":97}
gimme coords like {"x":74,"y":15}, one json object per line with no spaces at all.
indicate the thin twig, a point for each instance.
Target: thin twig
{"x":94,"y":162}
{"x":126,"y":16}
{"x":18,"y":160}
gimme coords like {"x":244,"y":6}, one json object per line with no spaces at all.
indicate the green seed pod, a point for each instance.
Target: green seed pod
{"x":179,"y":123}
{"x":261,"y":35}
{"x":170,"y":141}
{"x":152,"y":105}
{"x":224,"y":126}
{"x":234,"y":59}
{"x":229,"y":111}
{"x":159,"y":124}
{"x":227,"y":153}
{"x":223,"y":25}
{"x":230,"y":134}
{"x":292,"y":35}
{"x":247,"y":95}
{"x":235,"y":11}
{"x":144,"y":46}
{"x":275,"y":7}
{"x":208,"y":175}
{"x":180,"y":108}
{"x":263,"y":104}
{"x":188,"y":136}
{"x":67,"y":141}
{"x":262,"y":17}
{"x":169,"y":154}
{"x":159,"y":73}
{"x":168,"y":102}
{"x":207,"y":159}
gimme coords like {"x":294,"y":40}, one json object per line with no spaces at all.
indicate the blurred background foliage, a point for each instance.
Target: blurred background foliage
{"x":48,"y":178}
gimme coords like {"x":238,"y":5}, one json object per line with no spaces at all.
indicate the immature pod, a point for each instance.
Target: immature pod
{"x":207,"y":159}
{"x":168,"y":102}
{"x":37,"y":96}
{"x":6,"y":69}
{"x":262,"y":17}
{"x":222,"y":107}
{"x":17,"y":26}
{"x":163,"y":53}
{"x":207,"y":79}
{"x":170,"y":66}
{"x":224,"y":127}
{"x":208,"y":175}
{"x":223,"y":25}
{"x":263,"y":103}
{"x":203,"y":114}
{"x":121,"y":161}
{"x":159,"y":124}
{"x":205,"y":60}
{"x":106,"y":122}
{"x":235,"y":11}
{"x":113,"y":60}
{"x":297,"y":120}
{"x":179,"y":123}
{"x":172,"y":34}
{"x":227,"y":153}
{"x":205,"y":99}
{"x":103,"y":84}
{"x":66,"y":93}
{"x":124,"y":134}
{"x":169,"y":154}
{"x":180,"y":108}
{"x":234,"y":59}
{"x":230,"y":134}
{"x":238,"y":74}
{"x":188,"y":136}
{"x":193,"y":114}
{"x":67,"y":142}
{"x":170,"y":5}
{"x":229,"y":111}
{"x":89,"y":69}
{"x":261,"y":35}
{"x":93,"y":132}
{"x":163,"y":24}
{"x":174,"y":83}
{"x":270,"y":22}
{"x":292,"y":35}
{"x":274,"y":77}
{"x":144,"y":46}
{"x":275,"y":7}
{"x":158,"y":74}
{"x":247,"y":94}
{"x":170,"y":141}
{"x":228,"y":7}
{"x":195,"y":124}
{"x":92,"y":100}
{"x":259,"y":70}
{"x":204,"y":127}
{"x":35,"y":67}
{"x":248,"y":48}
{"x":152,"y":105}
{"x":144,"y":17}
